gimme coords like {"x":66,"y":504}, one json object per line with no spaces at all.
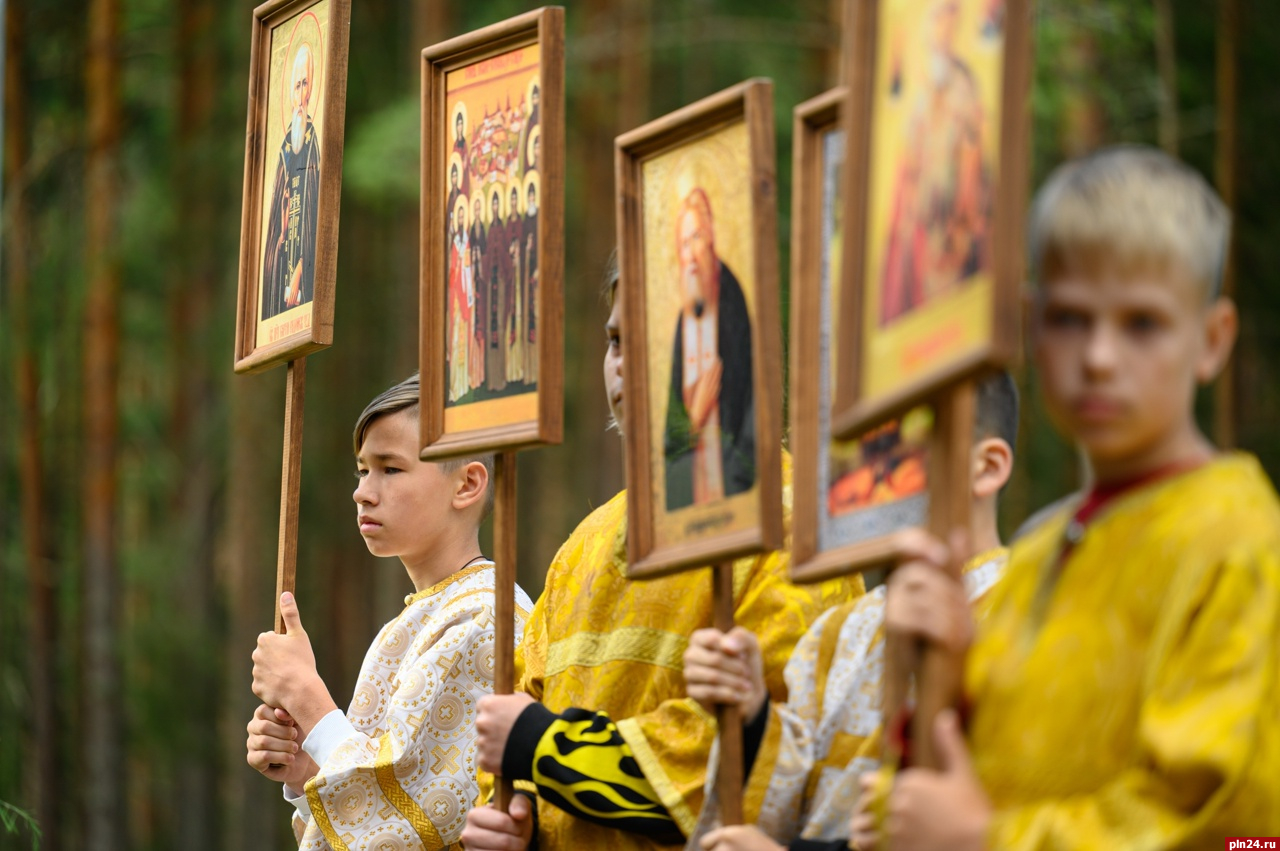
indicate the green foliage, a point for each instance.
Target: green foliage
{"x":381,"y":160}
{"x":15,"y":821}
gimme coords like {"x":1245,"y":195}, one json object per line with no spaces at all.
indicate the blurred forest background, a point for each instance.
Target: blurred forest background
{"x":139,"y":478}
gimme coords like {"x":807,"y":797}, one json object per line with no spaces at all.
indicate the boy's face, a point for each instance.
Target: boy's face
{"x":613,"y":361}
{"x":403,"y":505}
{"x":1119,"y":360}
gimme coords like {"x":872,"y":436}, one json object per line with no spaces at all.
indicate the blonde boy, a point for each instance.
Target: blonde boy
{"x":1123,"y":684}
{"x":398,"y":770}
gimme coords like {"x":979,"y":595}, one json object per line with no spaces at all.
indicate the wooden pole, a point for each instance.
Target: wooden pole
{"x":504,"y":592}
{"x":938,"y":679}
{"x":290,"y":482}
{"x":728,"y":716}
{"x":295,"y":387}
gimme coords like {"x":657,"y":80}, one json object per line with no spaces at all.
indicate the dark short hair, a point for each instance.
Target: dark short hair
{"x":405,"y":397}
{"x":996,"y":413}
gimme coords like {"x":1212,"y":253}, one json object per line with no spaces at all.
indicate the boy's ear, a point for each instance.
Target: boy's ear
{"x":992,"y":466}
{"x":472,"y":483}
{"x":1221,"y":323}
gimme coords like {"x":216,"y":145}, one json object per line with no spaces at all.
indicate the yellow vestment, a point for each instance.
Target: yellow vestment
{"x":1125,"y":695}
{"x":599,"y":641}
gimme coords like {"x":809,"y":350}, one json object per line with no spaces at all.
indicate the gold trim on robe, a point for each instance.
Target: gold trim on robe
{"x":599,"y":641}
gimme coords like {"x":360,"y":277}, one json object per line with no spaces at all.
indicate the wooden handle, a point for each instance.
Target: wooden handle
{"x":728,"y":716}
{"x":938,"y":678}
{"x":295,"y":386}
{"x":504,"y":558}
{"x":290,"y":482}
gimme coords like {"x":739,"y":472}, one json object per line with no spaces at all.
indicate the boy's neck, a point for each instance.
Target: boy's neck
{"x":1188,"y":448}
{"x":442,"y":561}
{"x":986,"y":532}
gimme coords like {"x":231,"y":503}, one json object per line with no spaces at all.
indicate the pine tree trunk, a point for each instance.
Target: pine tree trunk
{"x":1224,"y":409}
{"x":251,"y":814}
{"x":104,"y":773}
{"x":45,"y":779}
{"x":191,"y":307}
{"x":1167,"y":63}
{"x":1083,"y":122}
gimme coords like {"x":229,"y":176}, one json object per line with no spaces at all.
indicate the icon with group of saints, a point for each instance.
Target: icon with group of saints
{"x":492,"y":208}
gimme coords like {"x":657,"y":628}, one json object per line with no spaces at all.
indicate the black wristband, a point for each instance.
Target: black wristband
{"x":818,"y":845}
{"x":752,"y":737}
{"x":522,"y":741}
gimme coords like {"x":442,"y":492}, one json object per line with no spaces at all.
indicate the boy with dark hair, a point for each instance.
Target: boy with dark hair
{"x":1123,"y":685}
{"x":399,"y":769}
{"x":810,"y":752}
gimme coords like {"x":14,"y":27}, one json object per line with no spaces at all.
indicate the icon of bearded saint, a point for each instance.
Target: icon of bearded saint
{"x":288,"y":265}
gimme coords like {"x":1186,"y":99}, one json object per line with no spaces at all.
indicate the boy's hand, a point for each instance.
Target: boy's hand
{"x":940,"y":809}
{"x":274,"y":749}
{"x":722,"y":668}
{"x":490,"y":829}
{"x":284,"y":670}
{"x":926,"y":597}
{"x":496,"y":715}
{"x":740,"y":837}
{"x":863,"y":834}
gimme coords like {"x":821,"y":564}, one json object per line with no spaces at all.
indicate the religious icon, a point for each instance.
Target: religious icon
{"x":293,"y":165}
{"x":712,"y":462}
{"x":850,"y":496}
{"x":708,"y":443}
{"x":486,"y":97}
{"x":933,"y":292}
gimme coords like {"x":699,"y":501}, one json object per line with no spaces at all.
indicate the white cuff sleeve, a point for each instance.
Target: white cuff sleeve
{"x":324,"y":738}
{"x":300,"y":804}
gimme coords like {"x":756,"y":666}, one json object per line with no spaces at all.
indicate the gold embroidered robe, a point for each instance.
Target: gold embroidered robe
{"x":597,"y":640}
{"x":804,"y":782}
{"x":1132,"y":703}
{"x":405,"y":775}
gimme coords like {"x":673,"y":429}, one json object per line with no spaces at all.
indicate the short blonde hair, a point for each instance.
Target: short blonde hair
{"x":1129,"y":209}
{"x":405,"y":397}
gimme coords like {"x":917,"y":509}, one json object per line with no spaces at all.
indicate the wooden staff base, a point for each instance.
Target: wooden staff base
{"x":290,"y":486}
{"x":290,"y":482}
{"x":938,"y":680}
{"x":504,"y":558}
{"x":728,"y":716}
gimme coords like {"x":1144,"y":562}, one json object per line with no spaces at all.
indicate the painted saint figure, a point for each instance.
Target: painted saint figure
{"x":288,"y":264}
{"x":514,"y":336}
{"x":938,"y":228}
{"x":461,"y":309}
{"x":480,"y":327}
{"x":460,"y":148}
{"x":709,"y":441}
{"x":496,"y":263}
{"x":530,"y":247}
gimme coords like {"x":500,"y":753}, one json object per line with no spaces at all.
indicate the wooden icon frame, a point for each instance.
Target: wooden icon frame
{"x":853,"y":410}
{"x":252,"y":355}
{"x":813,"y":283}
{"x":544,"y":424}
{"x":749,"y":104}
